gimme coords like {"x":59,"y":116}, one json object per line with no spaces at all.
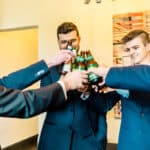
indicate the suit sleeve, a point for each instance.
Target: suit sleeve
{"x":132,"y":78}
{"x":14,"y":103}
{"x":25,"y":77}
{"x":46,"y":80}
{"x":105,"y":101}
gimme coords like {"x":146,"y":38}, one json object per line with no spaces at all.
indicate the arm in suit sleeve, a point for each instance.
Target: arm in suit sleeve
{"x":132,"y":78}
{"x":25,"y":77}
{"x":46,"y":80}
{"x":103,"y":102}
{"x":14,"y":103}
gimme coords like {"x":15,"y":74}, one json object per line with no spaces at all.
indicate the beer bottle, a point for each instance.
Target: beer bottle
{"x":81,"y":61}
{"x":82,"y":66}
{"x":66,"y":67}
{"x":74,"y":65}
{"x":91,"y":63}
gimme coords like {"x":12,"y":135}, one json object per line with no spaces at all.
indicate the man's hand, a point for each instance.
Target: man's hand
{"x":63,"y":56}
{"x":75,"y":80}
{"x":101,"y":71}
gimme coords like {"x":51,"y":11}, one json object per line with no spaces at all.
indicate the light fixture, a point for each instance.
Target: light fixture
{"x":98,"y":1}
{"x":88,"y":1}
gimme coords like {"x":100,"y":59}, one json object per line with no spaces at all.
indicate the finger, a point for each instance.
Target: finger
{"x":68,"y":58}
{"x":68,"y":52}
{"x":84,"y":76}
{"x":71,"y":53}
{"x":85,"y":81}
{"x":101,"y":83}
{"x":96,"y":89}
{"x":79,"y":89}
{"x":62,"y":77}
{"x":93,"y":86}
{"x":84,"y":72}
{"x":82,"y":86}
{"x":72,"y":59}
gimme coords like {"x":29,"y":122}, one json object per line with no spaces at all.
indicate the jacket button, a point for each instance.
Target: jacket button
{"x":41,"y":72}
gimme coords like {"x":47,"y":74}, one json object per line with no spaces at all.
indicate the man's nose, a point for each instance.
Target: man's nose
{"x":131,"y":52}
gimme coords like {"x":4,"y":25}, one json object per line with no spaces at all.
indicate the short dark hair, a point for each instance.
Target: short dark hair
{"x":135,"y":33}
{"x":66,"y":27}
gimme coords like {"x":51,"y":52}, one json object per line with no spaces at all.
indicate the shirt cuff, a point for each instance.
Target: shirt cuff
{"x":63,"y":87}
{"x":124,"y":93}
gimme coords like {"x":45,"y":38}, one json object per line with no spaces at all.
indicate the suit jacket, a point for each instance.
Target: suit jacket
{"x":74,"y":125}
{"x":25,"y":77}
{"x":14,"y":103}
{"x":20,"y":80}
{"x":135,"y":123}
{"x":132,"y":78}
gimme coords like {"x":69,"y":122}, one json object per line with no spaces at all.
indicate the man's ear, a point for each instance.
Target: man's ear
{"x":79,"y":38}
{"x":148,"y":46}
{"x":58,"y":43}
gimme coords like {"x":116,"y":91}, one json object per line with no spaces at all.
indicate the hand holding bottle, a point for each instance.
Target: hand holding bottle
{"x":64,"y":56}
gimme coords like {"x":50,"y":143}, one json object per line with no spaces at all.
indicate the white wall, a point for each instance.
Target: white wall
{"x":94,"y":21}
{"x":49,"y":14}
{"x":18,"y":49}
{"x":124,"y":6}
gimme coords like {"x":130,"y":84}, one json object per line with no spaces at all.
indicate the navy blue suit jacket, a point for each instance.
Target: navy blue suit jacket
{"x":74,"y":125}
{"x":135,"y":124}
{"x":13,"y":103}
{"x":22,"y":78}
{"x":132,"y":78}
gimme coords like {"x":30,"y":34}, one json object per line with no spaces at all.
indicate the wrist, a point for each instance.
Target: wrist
{"x":66,"y":84}
{"x":49,"y":63}
{"x":103,"y":71}
{"x":63,"y":87}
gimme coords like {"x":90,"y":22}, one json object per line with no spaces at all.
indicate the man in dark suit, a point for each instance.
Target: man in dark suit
{"x":135,"y":122}
{"x":14,"y":103}
{"x":27,"y":76}
{"x":122,"y":77}
{"x":74,"y":125}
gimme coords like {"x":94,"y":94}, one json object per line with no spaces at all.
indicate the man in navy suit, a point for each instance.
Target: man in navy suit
{"x":74,"y":125}
{"x":14,"y":103}
{"x":135,"y":122}
{"x":24,"y":77}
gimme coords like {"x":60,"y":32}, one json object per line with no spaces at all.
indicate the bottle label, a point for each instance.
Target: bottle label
{"x":88,"y":58}
{"x":80,"y":59}
{"x":92,"y":66}
{"x":93,"y":77}
{"x":81,"y":68}
{"x":66,"y":68}
{"x":77,"y":58}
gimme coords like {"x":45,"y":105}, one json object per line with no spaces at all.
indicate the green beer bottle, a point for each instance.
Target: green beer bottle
{"x":66,"y":67}
{"x":82,"y":66}
{"x":81,"y":61}
{"x":74,"y":65}
{"x":91,"y":63}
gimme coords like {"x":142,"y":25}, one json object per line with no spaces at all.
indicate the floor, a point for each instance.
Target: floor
{"x":31,"y":144}
{"x":111,"y":146}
